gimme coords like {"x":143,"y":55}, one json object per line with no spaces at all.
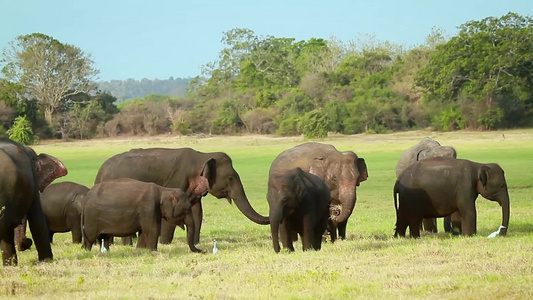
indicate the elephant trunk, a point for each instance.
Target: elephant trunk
{"x":347,"y":198}
{"x":240,"y":199}
{"x":505,"y":214}
{"x":189,"y":222}
{"x":275,"y":220}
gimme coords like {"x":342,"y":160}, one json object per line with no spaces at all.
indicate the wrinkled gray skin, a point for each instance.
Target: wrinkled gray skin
{"x":24,"y":174}
{"x":196,"y":173}
{"x":62,"y":205}
{"x":124,"y":206}
{"x":342,"y":171}
{"x":438,"y":187}
{"x":299,"y":204}
{"x":426,"y":148}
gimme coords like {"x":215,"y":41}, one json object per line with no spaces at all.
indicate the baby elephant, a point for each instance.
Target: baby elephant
{"x":299,"y":202}
{"x":438,"y":187}
{"x":62,"y":204}
{"x":122,"y":207}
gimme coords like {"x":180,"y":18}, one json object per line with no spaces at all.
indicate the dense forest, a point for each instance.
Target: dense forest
{"x":480,"y":79}
{"x":130,"y":88}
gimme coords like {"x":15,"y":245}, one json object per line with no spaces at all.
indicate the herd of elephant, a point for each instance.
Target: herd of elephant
{"x":311,"y":191}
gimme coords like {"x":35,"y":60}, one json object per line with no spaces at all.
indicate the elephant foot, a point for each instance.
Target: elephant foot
{"x":25,"y":244}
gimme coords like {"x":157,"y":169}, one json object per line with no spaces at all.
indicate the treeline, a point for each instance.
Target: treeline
{"x":482,"y":78}
{"x":130,"y":88}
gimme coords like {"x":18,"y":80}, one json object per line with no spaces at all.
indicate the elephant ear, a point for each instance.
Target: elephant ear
{"x":483,"y":175}
{"x":206,"y":179}
{"x":363,"y":171}
{"x":299,"y":185}
{"x":318,"y":167}
{"x":48,"y":169}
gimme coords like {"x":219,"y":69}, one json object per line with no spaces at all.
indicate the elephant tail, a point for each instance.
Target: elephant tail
{"x":395,"y":192}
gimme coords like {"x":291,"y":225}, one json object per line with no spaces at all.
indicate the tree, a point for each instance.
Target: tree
{"x":49,"y":70}
{"x":489,"y":61}
{"x":21,"y":131}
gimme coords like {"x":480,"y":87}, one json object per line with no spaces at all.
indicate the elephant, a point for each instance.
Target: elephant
{"x":438,"y":187}
{"x":299,"y":202}
{"x":24,"y":175}
{"x":62,"y":205}
{"x":124,"y":206}
{"x":341,"y":171}
{"x":195,"y":172}
{"x":426,"y":148}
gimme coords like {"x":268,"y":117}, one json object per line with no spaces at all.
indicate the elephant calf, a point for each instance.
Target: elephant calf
{"x":122,"y":207}
{"x":438,"y":187}
{"x":62,"y":204}
{"x":299,"y":202}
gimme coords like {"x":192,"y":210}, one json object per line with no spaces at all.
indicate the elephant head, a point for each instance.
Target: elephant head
{"x":47,"y":168}
{"x":342,"y":172}
{"x":491,"y":185}
{"x":222,"y":181}
{"x":175,"y":206}
{"x":439,"y":151}
{"x":426,"y":148}
{"x":285,"y":193}
{"x":176,"y":209}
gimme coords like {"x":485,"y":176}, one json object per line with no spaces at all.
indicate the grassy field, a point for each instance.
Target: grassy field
{"x":369,"y":264}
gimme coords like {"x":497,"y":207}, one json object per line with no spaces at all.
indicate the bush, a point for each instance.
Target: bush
{"x":314,"y":124}
{"x":21,"y":131}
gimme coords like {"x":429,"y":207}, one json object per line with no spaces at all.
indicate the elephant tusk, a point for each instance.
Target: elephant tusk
{"x":496,"y":233}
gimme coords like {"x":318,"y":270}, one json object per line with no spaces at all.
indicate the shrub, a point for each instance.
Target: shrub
{"x":21,"y":131}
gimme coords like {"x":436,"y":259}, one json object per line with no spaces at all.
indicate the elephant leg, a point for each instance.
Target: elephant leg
{"x":318,"y":232}
{"x":76,"y":235}
{"x":23,"y":243}
{"x":198,"y":214}
{"x":332,"y":228}
{"x":414,"y":227}
{"x":430,"y":225}
{"x":342,"y":229}
{"x":7,"y":244}
{"x":87,"y":242}
{"x":468,"y":221}
{"x":39,"y":230}
{"x":127,"y":240}
{"x":401,"y":227}
{"x":141,"y":240}
{"x":286,"y":236}
{"x":456,"y":223}
{"x":167,"y":232}
{"x":51,"y":237}
{"x":448,"y":224}
{"x":308,"y":234}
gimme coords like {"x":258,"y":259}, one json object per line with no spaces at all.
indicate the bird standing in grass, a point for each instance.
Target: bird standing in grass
{"x":103,"y":248}
{"x":215,"y":249}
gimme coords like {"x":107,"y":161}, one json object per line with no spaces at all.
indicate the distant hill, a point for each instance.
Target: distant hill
{"x":131,"y":88}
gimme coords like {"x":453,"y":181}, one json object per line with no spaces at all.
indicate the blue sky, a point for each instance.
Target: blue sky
{"x":159,"y":39}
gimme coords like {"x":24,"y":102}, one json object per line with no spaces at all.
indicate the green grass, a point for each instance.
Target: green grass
{"x":369,"y":264}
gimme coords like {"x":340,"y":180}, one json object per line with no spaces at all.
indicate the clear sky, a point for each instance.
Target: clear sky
{"x":159,"y":39}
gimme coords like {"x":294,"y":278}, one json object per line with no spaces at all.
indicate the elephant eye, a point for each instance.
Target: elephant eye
{"x":334,"y":178}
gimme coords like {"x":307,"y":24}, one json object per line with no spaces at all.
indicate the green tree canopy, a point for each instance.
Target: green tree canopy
{"x":48,"y":69}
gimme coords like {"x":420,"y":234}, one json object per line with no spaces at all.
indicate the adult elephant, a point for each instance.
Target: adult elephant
{"x":299,"y":202}
{"x":438,"y":187}
{"x":62,"y":205}
{"x":426,"y":148}
{"x":142,"y":207}
{"x":342,"y":171}
{"x":197,"y":173}
{"x":24,"y":174}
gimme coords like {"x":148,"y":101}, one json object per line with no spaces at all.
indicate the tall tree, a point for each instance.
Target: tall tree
{"x":48,"y":69}
{"x":489,"y":63}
